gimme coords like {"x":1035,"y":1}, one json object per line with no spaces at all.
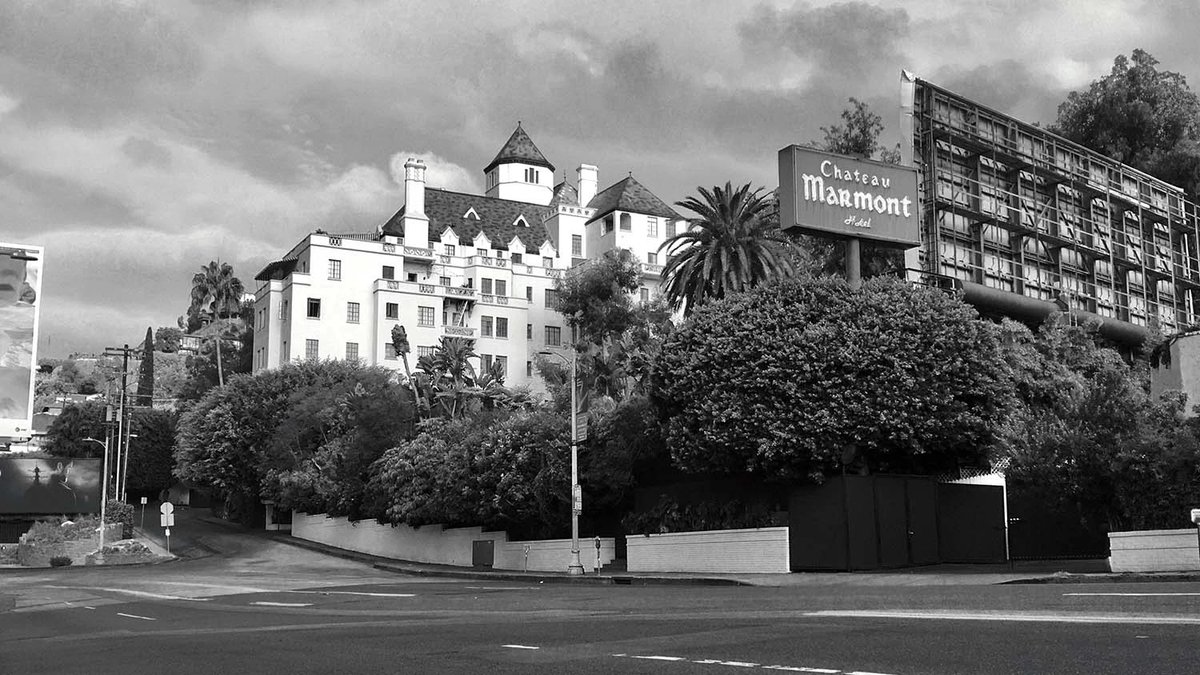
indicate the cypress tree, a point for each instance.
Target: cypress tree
{"x":145,"y":390}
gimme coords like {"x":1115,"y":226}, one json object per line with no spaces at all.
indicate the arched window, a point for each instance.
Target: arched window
{"x":626,"y":223}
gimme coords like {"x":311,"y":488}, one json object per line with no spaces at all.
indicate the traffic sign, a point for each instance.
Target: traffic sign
{"x":167,"y":508}
{"x":166,"y":520}
{"x":577,"y":499}
{"x":581,"y":427}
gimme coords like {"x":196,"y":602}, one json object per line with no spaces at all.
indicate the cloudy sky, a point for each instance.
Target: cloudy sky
{"x":141,"y":139}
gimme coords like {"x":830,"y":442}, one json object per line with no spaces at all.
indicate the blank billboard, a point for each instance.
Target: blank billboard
{"x":20,"y":303}
{"x":49,"y":486}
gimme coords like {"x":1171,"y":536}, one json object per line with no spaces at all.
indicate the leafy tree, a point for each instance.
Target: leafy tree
{"x":167,"y":339}
{"x":788,"y":380}
{"x":145,"y":388}
{"x":596,"y":298}
{"x":626,"y":447}
{"x":1141,"y":116}
{"x":311,"y":422}
{"x":78,"y":421}
{"x":858,"y":134}
{"x":1087,"y":435}
{"x":503,"y":469}
{"x":732,"y":245}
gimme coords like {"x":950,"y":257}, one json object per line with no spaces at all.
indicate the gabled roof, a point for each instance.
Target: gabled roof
{"x":629,"y":195}
{"x":519,"y":148}
{"x":496,"y":218}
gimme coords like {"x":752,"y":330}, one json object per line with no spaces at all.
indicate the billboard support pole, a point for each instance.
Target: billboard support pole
{"x":103,"y":495}
{"x":854,"y":263}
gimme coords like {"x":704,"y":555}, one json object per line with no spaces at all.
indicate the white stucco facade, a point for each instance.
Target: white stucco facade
{"x":456,"y":265}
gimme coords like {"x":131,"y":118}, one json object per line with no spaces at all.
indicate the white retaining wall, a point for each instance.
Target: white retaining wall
{"x":453,"y":546}
{"x":1154,"y":551}
{"x":730,"y":551}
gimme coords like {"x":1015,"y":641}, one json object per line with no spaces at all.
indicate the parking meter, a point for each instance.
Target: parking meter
{"x":597,"y":555}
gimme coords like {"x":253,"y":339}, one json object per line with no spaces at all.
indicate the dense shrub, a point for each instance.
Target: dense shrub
{"x":60,"y":561}
{"x":120,"y":512}
{"x":669,"y":516}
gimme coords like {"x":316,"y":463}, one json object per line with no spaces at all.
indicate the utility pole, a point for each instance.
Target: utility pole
{"x":121,"y":462}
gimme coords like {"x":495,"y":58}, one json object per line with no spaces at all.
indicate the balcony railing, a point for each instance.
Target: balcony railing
{"x":459,"y":331}
{"x":414,"y":252}
{"x":488,"y":262}
{"x":457,"y":292}
{"x":650,"y":269}
{"x":493,"y":299}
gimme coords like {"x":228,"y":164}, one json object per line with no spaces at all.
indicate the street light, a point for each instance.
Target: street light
{"x":576,"y":567}
{"x":103,"y":488}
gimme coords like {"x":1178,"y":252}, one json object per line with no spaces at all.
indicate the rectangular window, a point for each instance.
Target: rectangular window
{"x":412,"y":276}
{"x":551,"y":298}
{"x":352,"y":309}
{"x":553,"y":336}
{"x":501,"y":327}
{"x":485,"y":286}
{"x":311,"y":349}
{"x":283,"y":310}
{"x":607,"y":226}
{"x":547,"y":262}
{"x":529,"y":369}
{"x":516,"y":258}
{"x":626,"y":222}
{"x":314,"y":308}
{"x":652,"y":258}
{"x":670,"y":228}
{"x":445,"y":281}
{"x":531,"y":175}
{"x":425,"y":351}
{"x":502,"y":287}
{"x":528,"y":331}
{"x":351,"y":351}
{"x":652,"y":227}
{"x":449,"y":249}
{"x":335,"y":270}
{"x":389,"y":351}
{"x":502,"y":365}
{"x":485,"y":362}
{"x":645,"y":294}
{"x":481,"y":252}
{"x":485,"y":326}
{"x":577,"y":245}
{"x":389,"y":272}
{"x":392,"y":310}
{"x":425,"y":316}
{"x":529,"y":293}
{"x":286,"y":354}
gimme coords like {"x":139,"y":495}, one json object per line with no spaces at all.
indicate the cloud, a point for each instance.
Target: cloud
{"x":439,"y":172}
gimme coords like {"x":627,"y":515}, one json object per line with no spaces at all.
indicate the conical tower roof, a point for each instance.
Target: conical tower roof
{"x":521,"y":150}
{"x":629,"y":195}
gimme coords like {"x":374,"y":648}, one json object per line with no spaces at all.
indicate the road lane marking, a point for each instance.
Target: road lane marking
{"x":373,"y":595}
{"x":736,"y":664}
{"x":801,"y":669}
{"x":520,"y":647}
{"x":266,"y":603}
{"x":659,"y":658}
{"x":135,"y":616}
{"x":865,"y":672}
{"x":127,"y":591}
{"x":984,"y":616}
{"x":1131,"y":595}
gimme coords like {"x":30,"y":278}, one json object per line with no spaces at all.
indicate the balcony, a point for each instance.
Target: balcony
{"x":652,"y":270}
{"x":459,"y":293}
{"x":415,"y":253}
{"x":485,"y":261}
{"x":458,"y":332}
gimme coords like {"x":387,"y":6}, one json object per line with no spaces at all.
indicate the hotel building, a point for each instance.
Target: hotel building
{"x":452,"y":264}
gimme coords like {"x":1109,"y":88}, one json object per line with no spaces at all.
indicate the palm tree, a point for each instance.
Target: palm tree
{"x":734,"y":244}
{"x":448,"y":374}
{"x":217,"y":291}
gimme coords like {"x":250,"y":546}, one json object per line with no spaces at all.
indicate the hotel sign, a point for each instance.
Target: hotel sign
{"x":847,"y":197}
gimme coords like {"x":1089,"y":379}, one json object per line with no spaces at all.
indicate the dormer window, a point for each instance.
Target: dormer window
{"x":492,"y":181}
{"x":471,"y":214}
{"x":520,"y":222}
{"x":531,"y":175}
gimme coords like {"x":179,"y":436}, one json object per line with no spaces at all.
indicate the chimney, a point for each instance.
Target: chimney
{"x":589,"y":177}
{"x":416,"y":224}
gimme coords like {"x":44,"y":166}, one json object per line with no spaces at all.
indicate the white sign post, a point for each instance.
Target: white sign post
{"x":1196,"y":519}
{"x":143,"y":523}
{"x":166,"y":519}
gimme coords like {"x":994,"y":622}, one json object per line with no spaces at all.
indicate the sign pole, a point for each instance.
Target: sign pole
{"x":854,"y":263}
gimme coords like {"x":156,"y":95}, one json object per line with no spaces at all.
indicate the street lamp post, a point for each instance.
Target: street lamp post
{"x":103,"y":487}
{"x":576,"y":567}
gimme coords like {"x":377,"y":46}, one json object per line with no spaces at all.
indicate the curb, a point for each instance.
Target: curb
{"x":1110,"y":578}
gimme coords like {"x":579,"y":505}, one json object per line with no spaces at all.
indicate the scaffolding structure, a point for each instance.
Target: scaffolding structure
{"x":1012,"y":207}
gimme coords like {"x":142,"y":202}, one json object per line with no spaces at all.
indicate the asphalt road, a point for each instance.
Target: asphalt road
{"x":252,"y":605}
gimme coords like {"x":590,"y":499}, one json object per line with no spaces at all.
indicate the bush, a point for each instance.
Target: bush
{"x":45,"y":533}
{"x":120,"y":512}
{"x":60,"y":561}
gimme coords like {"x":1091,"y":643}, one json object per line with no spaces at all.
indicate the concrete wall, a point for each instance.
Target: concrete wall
{"x":1154,"y":551}
{"x":435,"y":544}
{"x":731,"y":551}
